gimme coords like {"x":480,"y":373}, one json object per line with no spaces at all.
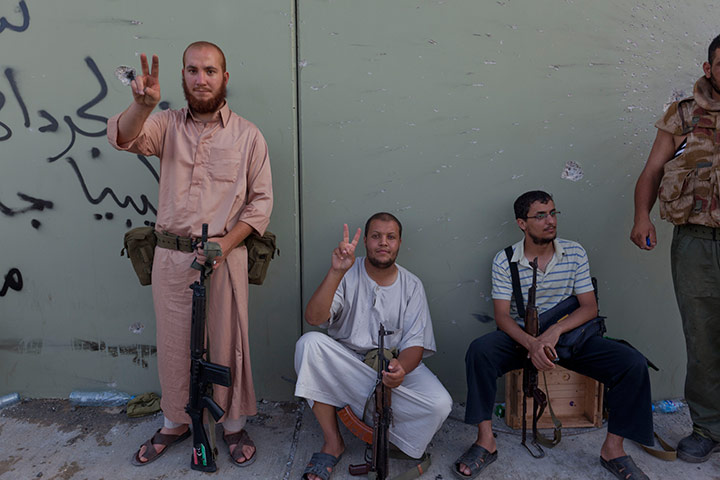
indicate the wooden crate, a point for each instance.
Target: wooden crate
{"x":576,"y":399}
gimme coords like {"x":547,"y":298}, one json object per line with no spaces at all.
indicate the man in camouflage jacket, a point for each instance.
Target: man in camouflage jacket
{"x":683,"y":171}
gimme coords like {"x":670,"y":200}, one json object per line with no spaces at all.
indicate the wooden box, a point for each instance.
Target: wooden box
{"x":576,"y":399}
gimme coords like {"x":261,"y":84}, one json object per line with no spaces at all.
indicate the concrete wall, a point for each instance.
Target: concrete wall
{"x":439,"y":111}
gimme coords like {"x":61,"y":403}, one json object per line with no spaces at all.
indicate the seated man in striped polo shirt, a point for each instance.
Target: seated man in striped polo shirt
{"x":563,"y":271}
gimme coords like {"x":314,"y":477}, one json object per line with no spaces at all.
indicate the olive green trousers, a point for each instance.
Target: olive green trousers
{"x":695,"y":260}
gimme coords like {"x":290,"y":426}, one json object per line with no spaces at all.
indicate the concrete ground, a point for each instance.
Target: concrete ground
{"x":51,"y":440}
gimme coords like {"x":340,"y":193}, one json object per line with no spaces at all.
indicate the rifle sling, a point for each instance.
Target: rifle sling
{"x":557,"y":429}
{"x":517,"y":292}
{"x":667,"y":453}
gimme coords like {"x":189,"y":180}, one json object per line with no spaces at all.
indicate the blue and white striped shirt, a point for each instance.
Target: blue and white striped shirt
{"x":567,"y":273}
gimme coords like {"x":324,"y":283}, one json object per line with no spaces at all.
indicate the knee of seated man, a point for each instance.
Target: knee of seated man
{"x":309,"y":341}
{"x":637,"y":362}
{"x":443,"y":405}
{"x":478,"y":349}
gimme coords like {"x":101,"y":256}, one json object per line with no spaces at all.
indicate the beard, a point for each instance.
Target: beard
{"x":714,"y":84}
{"x":210,"y":105}
{"x":378,"y":264}
{"x":542,"y":240}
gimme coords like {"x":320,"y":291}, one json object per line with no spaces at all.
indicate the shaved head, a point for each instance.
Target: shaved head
{"x":208,"y":45}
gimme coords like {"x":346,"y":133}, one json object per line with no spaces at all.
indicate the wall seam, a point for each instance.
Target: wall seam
{"x":298,"y":149}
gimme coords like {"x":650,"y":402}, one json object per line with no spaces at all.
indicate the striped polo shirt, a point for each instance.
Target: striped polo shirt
{"x":567,"y":273}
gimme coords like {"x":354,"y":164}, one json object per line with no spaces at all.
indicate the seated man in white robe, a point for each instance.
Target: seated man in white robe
{"x":352,"y":301}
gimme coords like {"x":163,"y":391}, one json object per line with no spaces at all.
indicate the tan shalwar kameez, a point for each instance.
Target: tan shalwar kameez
{"x":216,"y":173}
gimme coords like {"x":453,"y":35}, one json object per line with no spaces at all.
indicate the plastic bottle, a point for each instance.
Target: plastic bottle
{"x":668,"y":406}
{"x":108,"y":398}
{"x":10,"y":399}
{"x":500,"y":410}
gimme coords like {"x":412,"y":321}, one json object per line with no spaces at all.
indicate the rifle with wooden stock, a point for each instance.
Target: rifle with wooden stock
{"x":530,"y":373}
{"x":203,"y":373}
{"x":377,"y":466}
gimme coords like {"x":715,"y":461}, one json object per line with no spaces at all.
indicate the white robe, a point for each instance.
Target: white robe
{"x":331,"y":370}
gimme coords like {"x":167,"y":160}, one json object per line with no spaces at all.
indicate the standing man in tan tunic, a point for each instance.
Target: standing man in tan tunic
{"x":214,"y":169}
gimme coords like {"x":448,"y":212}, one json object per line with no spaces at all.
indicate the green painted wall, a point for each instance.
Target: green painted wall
{"x":443,"y":112}
{"x":439,"y":111}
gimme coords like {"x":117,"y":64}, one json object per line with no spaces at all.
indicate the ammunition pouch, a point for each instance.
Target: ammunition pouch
{"x":139,"y":244}
{"x":260,"y":250}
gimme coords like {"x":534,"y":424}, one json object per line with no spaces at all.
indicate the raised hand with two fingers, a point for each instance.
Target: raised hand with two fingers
{"x":146,"y":87}
{"x":343,"y":257}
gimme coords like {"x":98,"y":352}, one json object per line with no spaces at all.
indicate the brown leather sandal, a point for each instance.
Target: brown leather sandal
{"x":158,"y":439}
{"x":240,"y":439}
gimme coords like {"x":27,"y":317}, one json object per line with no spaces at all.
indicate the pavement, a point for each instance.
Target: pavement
{"x":52,"y":440}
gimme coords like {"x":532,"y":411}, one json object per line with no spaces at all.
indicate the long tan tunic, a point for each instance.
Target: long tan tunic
{"x":216,"y":173}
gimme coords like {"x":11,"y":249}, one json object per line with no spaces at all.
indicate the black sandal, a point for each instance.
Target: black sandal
{"x":318,"y":465}
{"x":476,"y":458}
{"x":624,"y":468}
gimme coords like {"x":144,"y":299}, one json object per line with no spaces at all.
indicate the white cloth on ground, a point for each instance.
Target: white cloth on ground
{"x":331,"y":373}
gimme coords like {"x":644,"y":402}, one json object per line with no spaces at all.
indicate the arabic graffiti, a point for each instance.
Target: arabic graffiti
{"x":142,"y":209}
{"x":6,"y":25}
{"x":13,"y":281}
{"x":51,"y":124}
{"x":37,"y":204}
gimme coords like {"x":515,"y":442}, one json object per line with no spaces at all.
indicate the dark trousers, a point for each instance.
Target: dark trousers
{"x":696,"y":276}
{"x":622,"y":369}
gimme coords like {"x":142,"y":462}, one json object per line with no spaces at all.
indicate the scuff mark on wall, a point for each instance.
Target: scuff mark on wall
{"x":572,"y":172}
{"x":139,"y":352}
{"x":31,"y":346}
{"x":137,"y":328}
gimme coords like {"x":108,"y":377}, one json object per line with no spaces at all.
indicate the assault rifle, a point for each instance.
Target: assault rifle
{"x":377,"y":466}
{"x":530,"y":373}
{"x":203,"y":374}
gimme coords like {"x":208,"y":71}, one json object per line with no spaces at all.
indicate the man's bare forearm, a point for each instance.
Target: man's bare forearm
{"x":508,"y":325}
{"x":410,"y":358}
{"x":317,"y":311}
{"x":131,"y":122}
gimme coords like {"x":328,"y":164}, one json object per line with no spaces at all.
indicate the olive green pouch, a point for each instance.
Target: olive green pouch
{"x":260,"y":251}
{"x":139,"y":244}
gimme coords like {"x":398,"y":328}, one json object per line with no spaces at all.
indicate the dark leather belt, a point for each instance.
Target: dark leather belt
{"x":174,"y":242}
{"x":700,"y":231}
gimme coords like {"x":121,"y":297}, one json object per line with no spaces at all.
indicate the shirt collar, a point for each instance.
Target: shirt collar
{"x":519,"y":254}
{"x":224,"y":114}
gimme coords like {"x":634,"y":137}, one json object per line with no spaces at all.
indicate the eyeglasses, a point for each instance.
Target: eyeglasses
{"x":543,"y":216}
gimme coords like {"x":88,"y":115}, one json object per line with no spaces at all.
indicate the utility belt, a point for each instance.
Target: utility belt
{"x":175,"y":242}
{"x":699,"y":231}
{"x":140,"y":243}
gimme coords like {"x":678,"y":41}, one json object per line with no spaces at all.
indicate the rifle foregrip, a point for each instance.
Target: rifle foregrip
{"x":212,"y":407}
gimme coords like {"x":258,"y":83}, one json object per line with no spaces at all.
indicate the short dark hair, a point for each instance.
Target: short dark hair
{"x":202,"y":44}
{"x":714,"y":45}
{"x":385,"y":217}
{"x":523,"y":202}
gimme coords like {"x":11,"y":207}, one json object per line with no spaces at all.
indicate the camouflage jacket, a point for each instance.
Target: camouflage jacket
{"x":690,"y":185}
